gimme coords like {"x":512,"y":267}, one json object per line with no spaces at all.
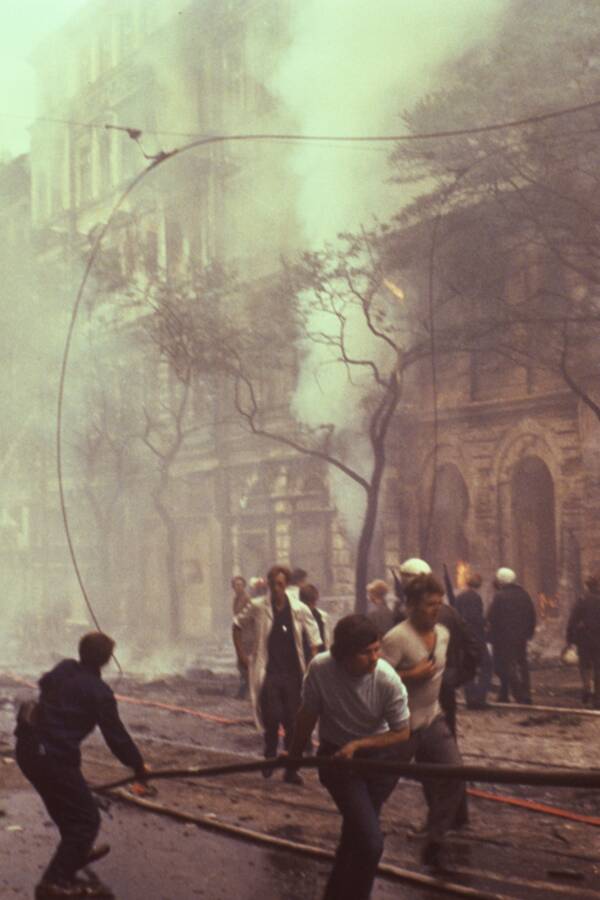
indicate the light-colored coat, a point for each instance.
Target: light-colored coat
{"x":328,"y":628}
{"x":260,"y":614}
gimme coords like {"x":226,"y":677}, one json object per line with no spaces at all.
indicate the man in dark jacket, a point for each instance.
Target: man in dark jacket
{"x":583,"y":629}
{"x":511,"y":624}
{"x":73,"y":700}
{"x":469,"y":606}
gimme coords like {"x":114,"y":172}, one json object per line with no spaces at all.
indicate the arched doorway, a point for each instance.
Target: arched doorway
{"x":533,"y":522}
{"x":447,"y":541}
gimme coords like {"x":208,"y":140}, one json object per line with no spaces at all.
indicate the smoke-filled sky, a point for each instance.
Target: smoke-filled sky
{"x":24,"y":24}
{"x":352,"y":65}
{"x":354,"y":68}
{"x":349,"y":67}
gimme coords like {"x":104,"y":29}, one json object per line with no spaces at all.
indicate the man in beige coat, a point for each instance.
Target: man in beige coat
{"x":276,"y":664}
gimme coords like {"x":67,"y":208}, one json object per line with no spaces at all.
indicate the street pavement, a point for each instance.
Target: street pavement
{"x":156,"y":859}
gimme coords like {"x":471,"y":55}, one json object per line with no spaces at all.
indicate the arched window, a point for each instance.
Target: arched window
{"x":533,"y":526}
{"x":446,"y":541}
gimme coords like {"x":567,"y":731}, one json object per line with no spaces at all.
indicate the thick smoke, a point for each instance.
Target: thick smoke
{"x":345,"y":67}
{"x":352,"y":69}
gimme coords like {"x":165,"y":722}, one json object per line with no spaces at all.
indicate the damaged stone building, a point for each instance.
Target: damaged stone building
{"x":111,"y":98}
{"x":499,"y":442}
{"x":498,"y":466}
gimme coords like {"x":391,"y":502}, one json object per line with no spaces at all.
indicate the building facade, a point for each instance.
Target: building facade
{"x":159,"y":533}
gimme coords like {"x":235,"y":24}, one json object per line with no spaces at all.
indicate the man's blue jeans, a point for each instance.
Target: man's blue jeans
{"x":359,"y":799}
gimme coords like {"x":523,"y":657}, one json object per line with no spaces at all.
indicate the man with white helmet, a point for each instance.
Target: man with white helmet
{"x":463,"y":655}
{"x":464,"y":650}
{"x":417,"y":650}
{"x":410,"y":568}
{"x":511,"y":624}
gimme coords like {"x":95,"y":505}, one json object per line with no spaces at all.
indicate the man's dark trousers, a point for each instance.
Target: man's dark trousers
{"x":359,"y":799}
{"x":280,"y":699}
{"x":69,"y":803}
{"x":435,"y":743}
{"x":477,"y":689}
{"x":512,"y":668}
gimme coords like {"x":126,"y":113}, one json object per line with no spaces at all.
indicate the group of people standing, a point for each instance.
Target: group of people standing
{"x":383,"y":687}
{"x":508,"y":626}
{"x":275,"y":636}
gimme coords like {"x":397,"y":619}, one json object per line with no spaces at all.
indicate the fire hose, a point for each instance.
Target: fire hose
{"x":531,"y":776}
{"x":412,"y":770}
{"x":573,"y":778}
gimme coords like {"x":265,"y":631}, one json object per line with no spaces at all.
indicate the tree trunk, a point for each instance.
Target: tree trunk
{"x":367,"y":532}
{"x":170,"y":559}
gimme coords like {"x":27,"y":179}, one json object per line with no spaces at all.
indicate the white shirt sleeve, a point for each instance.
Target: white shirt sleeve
{"x":396,"y":711}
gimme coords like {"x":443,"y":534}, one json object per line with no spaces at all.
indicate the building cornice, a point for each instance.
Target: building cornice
{"x":563,"y":400}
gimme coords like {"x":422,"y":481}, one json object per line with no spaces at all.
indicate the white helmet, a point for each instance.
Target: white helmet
{"x":505,"y":576}
{"x":415,"y":566}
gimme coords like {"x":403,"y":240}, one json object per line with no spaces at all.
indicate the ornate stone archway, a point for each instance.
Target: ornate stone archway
{"x":526,"y":472}
{"x":445,"y":540}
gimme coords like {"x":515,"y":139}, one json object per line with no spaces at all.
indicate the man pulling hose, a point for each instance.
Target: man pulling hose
{"x":73,"y":700}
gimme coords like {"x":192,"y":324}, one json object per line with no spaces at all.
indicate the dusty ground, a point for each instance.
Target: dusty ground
{"x":506,"y":850}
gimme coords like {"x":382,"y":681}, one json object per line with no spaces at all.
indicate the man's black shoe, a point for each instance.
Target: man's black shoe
{"x":48,"y":889}
{"x":267,"y":771}
{"x":94,"y":888}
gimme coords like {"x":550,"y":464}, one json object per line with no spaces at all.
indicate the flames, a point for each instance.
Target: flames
{"x":462,"y":572}
{"x":394,"y":289}
{"x":548,"y":607}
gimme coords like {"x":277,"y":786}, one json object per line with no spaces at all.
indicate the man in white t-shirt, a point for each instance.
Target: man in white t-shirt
{"x":416,"y":648}
{"x":361,"y":706}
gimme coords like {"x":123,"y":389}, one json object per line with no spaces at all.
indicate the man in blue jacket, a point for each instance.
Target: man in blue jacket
{"x":73,"y":700}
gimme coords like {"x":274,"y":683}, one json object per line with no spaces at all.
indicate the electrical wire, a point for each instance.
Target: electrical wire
{"x":369,"y":138}
{"x":61,"y":392}
{"x":161,"y":157}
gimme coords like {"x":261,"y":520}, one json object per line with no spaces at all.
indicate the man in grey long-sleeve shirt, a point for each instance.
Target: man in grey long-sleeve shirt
{"x":361,"y":706}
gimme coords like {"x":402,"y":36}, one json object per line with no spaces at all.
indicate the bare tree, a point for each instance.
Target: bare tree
{"x":251,"y":339}
{"x":164,"y":433}
{"x":518,"y":209}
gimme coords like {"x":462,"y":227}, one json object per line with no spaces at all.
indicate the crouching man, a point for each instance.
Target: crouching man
{"x":362,"y":710}
{"x":73,"y":700}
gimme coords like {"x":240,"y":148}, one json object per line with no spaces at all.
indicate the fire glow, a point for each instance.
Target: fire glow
{"x":462,"y":573}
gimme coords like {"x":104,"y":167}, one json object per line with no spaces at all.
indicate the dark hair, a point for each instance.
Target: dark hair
{"x":95,"y":649}
{"x":351,"y":635}
{"x":297,"y":576}
{"x":421,"y":585}
{"x":238,"y":578}
{"x":475,"y":580}
{"x":309,"y":593}
{"x":274,"y":571}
